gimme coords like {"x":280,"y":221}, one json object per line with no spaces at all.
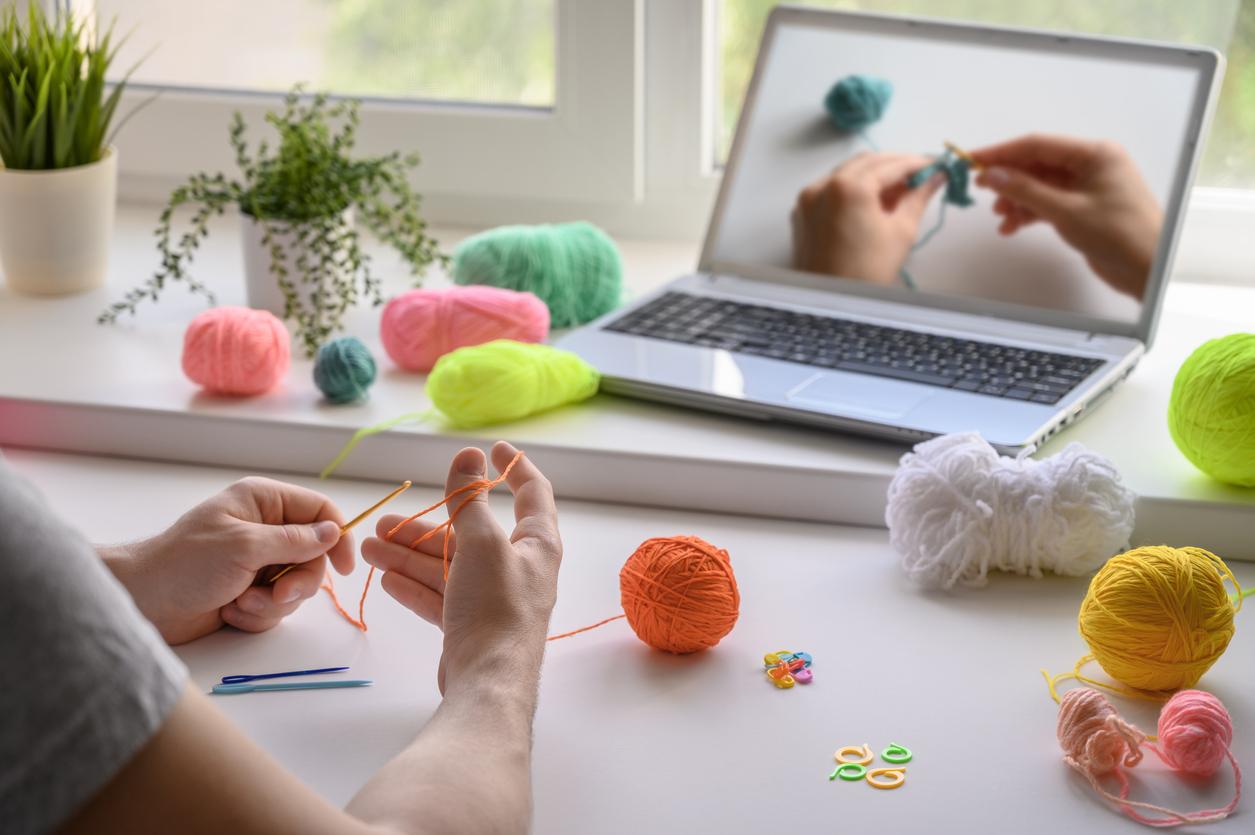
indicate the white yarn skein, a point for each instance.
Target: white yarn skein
{"x":958,"y":510}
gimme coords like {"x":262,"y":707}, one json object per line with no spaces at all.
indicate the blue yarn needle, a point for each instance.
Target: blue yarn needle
{"x":231,"y":689}
{"x":259,"y":676}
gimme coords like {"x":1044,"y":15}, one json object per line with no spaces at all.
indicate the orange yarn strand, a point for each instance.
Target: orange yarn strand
{"x":475,"y":488}
{"x":584,"y":628}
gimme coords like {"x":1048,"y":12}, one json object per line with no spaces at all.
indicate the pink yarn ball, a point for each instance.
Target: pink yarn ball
{"x":236,"y":350}
{"x":1195,"y":731}
{"x":420,"y":326}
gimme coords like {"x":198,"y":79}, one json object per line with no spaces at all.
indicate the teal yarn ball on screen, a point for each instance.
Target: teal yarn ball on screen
{"x":857,"y":101}
{"x":344,"y":370}
{"x":574,"y":268}
{"x":1211,"y":414}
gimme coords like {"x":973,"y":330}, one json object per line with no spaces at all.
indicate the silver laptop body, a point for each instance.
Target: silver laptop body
{"x":714,"y":371}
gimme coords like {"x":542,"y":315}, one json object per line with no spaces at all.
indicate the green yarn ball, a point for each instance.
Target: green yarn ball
{"x":857,"y":101}
{"x":344,"y":369}
{"x":1212,"y":411}
{"x":574,"y":268}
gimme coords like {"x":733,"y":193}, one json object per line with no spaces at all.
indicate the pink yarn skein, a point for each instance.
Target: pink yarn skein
{"x":236,"y":350}
{"x":1194,"y":735}
{"x":420,"y":326}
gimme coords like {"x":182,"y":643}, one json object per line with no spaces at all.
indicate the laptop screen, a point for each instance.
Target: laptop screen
{"x":938,"y":163}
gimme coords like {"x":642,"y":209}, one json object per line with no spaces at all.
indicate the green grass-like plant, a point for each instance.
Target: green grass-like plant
{"x":54,"y":111}
{"x":300,"y":191}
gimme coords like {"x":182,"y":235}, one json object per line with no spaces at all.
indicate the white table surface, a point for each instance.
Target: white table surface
{"x":630,"y":740}
{"x":68,"y":384}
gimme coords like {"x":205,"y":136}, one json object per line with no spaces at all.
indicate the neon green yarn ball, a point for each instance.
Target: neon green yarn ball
{"x":504,"y":380}
{"x":574,"y":268}
{"x":1212,"y":411}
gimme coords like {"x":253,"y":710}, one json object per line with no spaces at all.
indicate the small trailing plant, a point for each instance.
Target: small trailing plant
{"x":53,"y":109}
{"x":301,"y":192}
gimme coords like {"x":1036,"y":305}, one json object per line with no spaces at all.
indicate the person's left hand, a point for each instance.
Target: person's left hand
{"x":203,"y":571}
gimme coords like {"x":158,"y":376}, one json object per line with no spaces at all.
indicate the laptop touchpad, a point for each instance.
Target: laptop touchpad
{"x":859,"y":394}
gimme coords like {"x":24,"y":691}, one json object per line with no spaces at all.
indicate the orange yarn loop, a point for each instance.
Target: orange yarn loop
{"x":475,"y":489}
{"x":679,"y":593}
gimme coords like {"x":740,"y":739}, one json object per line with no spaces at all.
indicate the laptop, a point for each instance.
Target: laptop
{"x":841,"y":285}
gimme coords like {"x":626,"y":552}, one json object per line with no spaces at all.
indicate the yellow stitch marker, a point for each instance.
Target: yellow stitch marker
{"x":963,"y":155}
{"x":349,"y":525}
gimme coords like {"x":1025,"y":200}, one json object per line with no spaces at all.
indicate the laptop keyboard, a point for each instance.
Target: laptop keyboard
{"x":827,"y":342}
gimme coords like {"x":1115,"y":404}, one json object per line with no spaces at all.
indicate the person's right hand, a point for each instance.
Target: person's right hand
{"x":1090,"y":191}
{"x":495,"y":608}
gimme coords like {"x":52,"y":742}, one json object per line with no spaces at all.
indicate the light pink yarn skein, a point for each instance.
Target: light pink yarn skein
{"x":420,"y":326}
{"x":236,"y":351}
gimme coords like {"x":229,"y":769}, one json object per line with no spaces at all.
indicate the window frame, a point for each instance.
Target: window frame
{"x":628,"y":143}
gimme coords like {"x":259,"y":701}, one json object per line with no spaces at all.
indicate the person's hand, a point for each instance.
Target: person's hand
{"x":501,"y":590}
{"x":1090,"y":191}
{"x":861,"y":220}
{"x":206,"y":570}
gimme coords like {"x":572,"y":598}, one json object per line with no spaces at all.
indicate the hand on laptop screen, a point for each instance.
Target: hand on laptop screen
{"x":1090,"y":191}
{"x":861,"y":220}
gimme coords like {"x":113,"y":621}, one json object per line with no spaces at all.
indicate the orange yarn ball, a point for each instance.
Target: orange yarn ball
{"x":679,"y":593}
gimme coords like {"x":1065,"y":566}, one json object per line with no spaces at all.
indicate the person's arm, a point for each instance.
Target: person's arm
{"x":468,"y":771}
{"x":1090,"y":191}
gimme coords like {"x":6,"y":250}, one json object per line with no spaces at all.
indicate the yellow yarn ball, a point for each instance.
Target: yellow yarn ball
{"x":1156,"y":618}
{"x":504,"y":380}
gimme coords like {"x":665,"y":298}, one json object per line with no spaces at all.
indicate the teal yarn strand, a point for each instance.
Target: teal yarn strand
{"x":958,"y":173}
{"x":344,"y":370}
{"x":857,"y":102}
{"x":574,"y":268}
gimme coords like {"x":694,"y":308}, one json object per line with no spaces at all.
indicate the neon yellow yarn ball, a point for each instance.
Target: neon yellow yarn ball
{"x":1156,"y":618}
{"x":504,"y":380}
{"x":1212,"y":411}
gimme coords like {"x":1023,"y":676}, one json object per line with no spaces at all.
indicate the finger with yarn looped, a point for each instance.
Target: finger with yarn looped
{"x":420,"y":599}
{"x":535,"y":514}
{"x":427,"y":569}
{"x":467,"y":474}
{"x":401,"y":530}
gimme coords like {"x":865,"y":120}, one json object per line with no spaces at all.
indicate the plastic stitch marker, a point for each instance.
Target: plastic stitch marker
{"x":849,"y":771}
{"x":896,"y":777}
{"x":896,"y":754}
{"x":242,"y":678}
{"x":227,"y":689}
{"x":854,"y":754}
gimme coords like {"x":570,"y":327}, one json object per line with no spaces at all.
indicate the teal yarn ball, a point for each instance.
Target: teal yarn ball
{"x":857,"y":101}
{"x":1211,"y":414}
{"x":344,"y":369}
{"x":574,"y":268}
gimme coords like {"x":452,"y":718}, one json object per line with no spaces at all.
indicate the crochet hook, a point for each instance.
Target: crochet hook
{"x":963,"y":155}
{"x":349,"y":525}
{"x":245,"y":687}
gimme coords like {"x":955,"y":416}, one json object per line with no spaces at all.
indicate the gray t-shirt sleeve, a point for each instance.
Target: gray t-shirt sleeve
{"x":86,"y":679}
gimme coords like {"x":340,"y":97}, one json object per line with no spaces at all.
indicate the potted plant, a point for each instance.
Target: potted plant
{"x":298,"y":203}
{"x":58,"y":177}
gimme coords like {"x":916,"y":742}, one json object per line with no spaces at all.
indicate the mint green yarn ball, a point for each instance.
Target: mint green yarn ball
{"x":574,"y":268}
{"x":1212,"y":411}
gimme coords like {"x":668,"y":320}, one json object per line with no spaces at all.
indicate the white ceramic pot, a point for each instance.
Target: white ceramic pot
{"x":260,"y":284}
{"x":55,"y":226}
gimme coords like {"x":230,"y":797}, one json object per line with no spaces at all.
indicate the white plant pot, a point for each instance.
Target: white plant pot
{"x":260,"y":284}
{"x":55,"y":226}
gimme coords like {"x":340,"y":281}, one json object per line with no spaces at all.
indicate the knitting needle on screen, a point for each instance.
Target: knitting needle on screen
{"x":349,"y":525}
{"x":963,"y":155}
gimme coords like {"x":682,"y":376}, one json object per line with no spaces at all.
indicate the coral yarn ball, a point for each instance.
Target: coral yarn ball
{"x":679,"y":593}
{"x":1156,"y":618}
{"x":236,"y":351}
{"x":1195,"y":731}
{"x":1211,"y":413}
{"x":420,"y":326}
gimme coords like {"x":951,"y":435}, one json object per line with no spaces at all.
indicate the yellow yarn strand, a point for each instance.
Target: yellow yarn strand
{"x":1155,"y":618}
